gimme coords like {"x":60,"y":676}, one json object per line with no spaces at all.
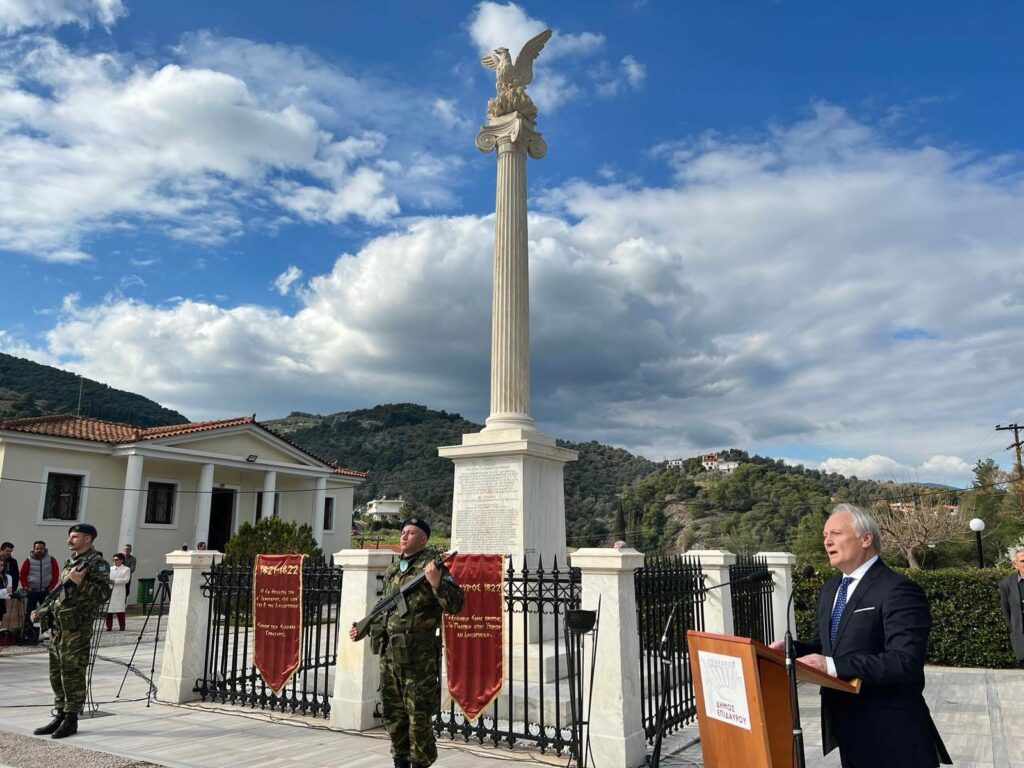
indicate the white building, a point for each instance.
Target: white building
{"x":385,"y":510}
{"x":712,"y":463}
{"x":159,"y":488}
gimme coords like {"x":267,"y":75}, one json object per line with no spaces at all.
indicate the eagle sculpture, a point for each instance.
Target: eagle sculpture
{"x":512,"y":79}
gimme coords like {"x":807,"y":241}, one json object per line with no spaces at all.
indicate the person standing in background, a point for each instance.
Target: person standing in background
{"x":1011,"y":599}
{"x":119,"y":576}
{"x":39,"y":574}
{"x":130,"y":561}
{"x":9,"y":569}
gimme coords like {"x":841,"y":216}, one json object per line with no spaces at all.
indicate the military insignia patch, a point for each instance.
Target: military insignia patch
{"x":102,"y":568}
{"x":403,"y":565}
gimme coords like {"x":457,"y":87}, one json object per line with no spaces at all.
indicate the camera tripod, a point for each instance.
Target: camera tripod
{"x":160,"y":599}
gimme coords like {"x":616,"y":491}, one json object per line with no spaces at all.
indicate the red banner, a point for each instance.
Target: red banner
{"x":277,"y":617}
{"x":473,"y":640}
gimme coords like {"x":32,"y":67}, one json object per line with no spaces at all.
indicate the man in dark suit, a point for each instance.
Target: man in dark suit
{"x":873,"y":624}
{"x":1011,"y":597}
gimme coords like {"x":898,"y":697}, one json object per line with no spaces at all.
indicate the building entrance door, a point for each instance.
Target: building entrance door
{"x":222,"y":512}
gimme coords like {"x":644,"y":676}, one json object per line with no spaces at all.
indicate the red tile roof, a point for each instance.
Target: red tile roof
{"x":100,"y":431}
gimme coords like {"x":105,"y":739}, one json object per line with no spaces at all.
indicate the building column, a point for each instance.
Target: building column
{"x":203,"y":499}
{"x":616,"y":723}
{"x":718,"y":600}
{"x":269,"y":484}
{"x":781,"y":566}
{"x":131,"y":501}
{"x":357,"y":674}
{"x":514,"y":137}
{"x":319,"y":497}
{"x":185,"y":647}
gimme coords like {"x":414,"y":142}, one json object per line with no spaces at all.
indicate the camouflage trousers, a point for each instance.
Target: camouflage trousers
{"x":69,"y":659}
{"x":410,"y":696}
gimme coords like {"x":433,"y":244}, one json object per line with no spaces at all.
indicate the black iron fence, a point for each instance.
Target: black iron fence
{"x":543,"y":688}
{"x":665,"y":585}
{"x":752,"y":599}
{"x":229,"y":674}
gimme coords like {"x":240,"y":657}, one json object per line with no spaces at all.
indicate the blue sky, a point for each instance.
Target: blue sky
{"x":794,"y":228}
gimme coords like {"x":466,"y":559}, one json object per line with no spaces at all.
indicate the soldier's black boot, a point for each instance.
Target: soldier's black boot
{"x":401,"y":762}
{"x":68,"y":728}
{"x":50,"y":727}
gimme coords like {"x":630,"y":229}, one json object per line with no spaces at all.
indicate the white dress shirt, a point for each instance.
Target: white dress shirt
{"x":857,"y":575}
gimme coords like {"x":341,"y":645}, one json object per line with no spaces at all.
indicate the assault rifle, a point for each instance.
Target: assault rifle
{"x":46,"y":620}
{"x":396,"y":600}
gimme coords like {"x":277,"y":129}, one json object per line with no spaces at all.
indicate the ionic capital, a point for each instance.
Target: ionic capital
{"x":515,"y":130}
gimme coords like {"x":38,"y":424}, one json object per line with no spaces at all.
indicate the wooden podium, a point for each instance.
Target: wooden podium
{"x":742,"y":696}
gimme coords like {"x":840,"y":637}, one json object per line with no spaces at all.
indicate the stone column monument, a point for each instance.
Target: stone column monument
{"x":509,"y":495}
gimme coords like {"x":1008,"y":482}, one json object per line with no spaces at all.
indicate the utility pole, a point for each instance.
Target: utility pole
{"x":1016,"y":444}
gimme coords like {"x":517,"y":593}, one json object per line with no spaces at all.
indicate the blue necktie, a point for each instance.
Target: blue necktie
{"x":837,"y":612}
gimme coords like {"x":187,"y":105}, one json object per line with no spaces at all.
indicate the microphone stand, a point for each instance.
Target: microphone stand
{"x":666,"y":658}
{"x":794,"y":703}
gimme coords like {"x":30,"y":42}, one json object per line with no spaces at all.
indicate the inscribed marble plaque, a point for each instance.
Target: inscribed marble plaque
{"x":488,"y":506}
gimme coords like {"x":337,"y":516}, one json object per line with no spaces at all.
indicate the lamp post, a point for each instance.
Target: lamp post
{"x":978,"y":525}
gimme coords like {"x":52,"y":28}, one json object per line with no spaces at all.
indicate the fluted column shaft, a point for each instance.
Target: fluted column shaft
{"x":513,"y":137}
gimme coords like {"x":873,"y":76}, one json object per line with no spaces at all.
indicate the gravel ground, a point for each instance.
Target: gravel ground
{"x":18,"y":751}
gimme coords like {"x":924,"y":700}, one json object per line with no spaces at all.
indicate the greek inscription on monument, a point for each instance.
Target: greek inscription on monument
{"x":487,"y":510}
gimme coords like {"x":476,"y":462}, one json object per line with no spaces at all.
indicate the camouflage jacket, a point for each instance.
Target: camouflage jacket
{"x":70,"y":606}
{"x":425,"y":603}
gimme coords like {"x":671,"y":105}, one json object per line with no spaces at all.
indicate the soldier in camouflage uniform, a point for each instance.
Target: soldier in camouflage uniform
{"x":409,"y":647}
{"x":70,"y":611}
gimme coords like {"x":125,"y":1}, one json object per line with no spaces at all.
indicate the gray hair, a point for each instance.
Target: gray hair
{"x":1014,"y":551}
{"x":862,"y":523}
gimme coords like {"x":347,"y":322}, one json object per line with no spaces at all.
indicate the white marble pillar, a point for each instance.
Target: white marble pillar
{"x":269,"y":486}
{"x":718,"y":601}
{"x":616,"y":724}
{"x":203,"y":499}
{"x":185,"y":647}
{"x":319,"y":497}
{"x":514,"y":137}
{"x":357,"y":674}
{"x":781,"y":566}
{"x":131,"y":501}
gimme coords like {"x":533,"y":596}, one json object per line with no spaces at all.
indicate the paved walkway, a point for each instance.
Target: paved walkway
{"x":978,"y":712}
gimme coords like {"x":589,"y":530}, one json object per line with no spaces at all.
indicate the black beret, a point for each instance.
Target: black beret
{"x":85,"y":528}
{"x":420,"y":523}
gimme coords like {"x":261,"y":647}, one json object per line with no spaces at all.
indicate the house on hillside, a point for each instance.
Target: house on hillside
{"x":677,"y":463}
{"x":385,"y":510}
{"x":158,"y":488}
{"x":712,"y":463}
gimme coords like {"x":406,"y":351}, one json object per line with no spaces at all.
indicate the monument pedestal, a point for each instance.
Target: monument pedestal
{"x":499,"y":475}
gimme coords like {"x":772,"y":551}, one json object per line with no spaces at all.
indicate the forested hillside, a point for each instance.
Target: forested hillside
{"x":767,"y":505}
{"x":31,"y":389}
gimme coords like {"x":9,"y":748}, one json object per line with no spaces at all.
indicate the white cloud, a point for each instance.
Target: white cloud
{"x":16,"y":15}
{"x":948,"y":466}
{"x":283,"y":282}
{"x":630,"y":75}
{"x":939,"y":468}
{"x":449,"y":114}
{"x":819,"y":285}
{"x":634,"y":72}
{"x":228,"y":135}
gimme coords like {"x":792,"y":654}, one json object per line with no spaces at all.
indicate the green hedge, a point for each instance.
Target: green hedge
{"x":968,"y":629}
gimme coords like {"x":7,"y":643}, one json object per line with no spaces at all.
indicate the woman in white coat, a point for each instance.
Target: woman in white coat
{"x":120,"y":574}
